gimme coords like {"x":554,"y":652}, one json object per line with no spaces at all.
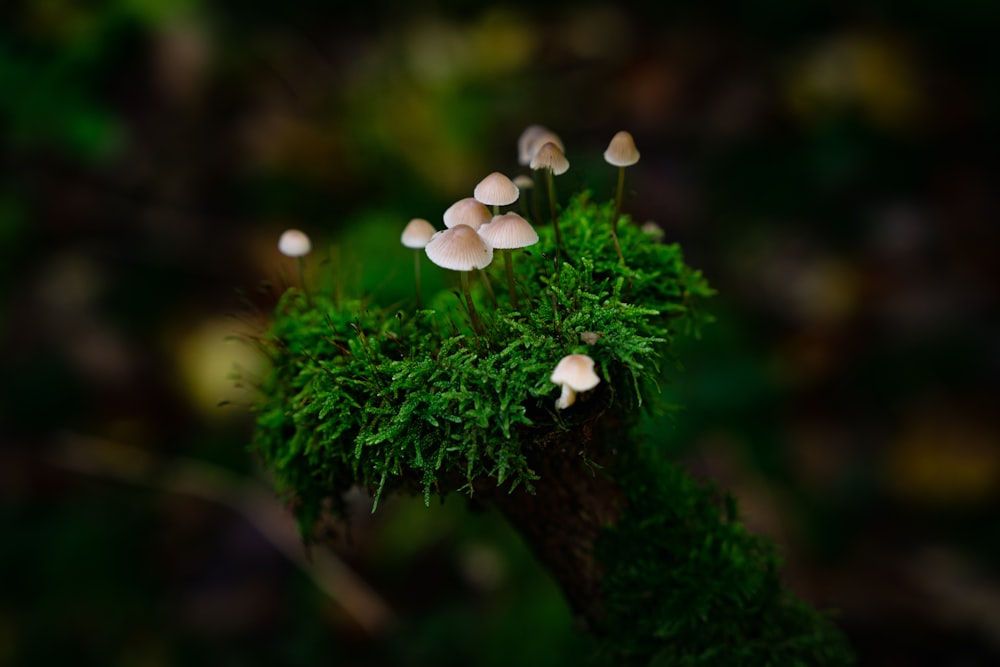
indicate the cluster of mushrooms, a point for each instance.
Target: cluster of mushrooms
{"x":475,"y":228}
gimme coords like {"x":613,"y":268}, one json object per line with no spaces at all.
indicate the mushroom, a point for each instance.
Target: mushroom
{"x":533,"y":138}
{"x":472,"y":212}
{"x":621,"y":153}
{"x":461,"y":249}
{"x":550,"y":157}
{"x":574,"y":372}
{"x":506,"y":233}
{"x":469,"y":211}
{"x":295,"y":243}
{"x":496,"y":190}
{"x":417,"y":233}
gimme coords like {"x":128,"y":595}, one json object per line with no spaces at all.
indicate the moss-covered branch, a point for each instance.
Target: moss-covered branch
{"x":418,"y":401}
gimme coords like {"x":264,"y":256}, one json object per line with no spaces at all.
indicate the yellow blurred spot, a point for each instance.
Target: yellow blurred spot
{"x":867,"y":72}
{"x":944,"y":457}
{"x":217,"y":363}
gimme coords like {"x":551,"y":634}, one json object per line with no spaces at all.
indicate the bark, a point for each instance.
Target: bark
{"x":574,"y":500}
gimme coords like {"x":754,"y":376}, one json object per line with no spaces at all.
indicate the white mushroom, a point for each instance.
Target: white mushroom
{"x":533,"y":138}
{"x":496,"y":190}
{"x":575,"y":373}
{"x":417,"y":233}
{"x":621,"y":153}
{"x":506,"y":233}
{"x":294,"y":243}
{"x":469,"y":211}
{"x":550,"y":157}
{"x":461,"y":249}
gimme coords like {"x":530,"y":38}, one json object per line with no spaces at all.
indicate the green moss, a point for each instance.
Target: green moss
{"x":415,"y":400}
{"x":686,"y":584}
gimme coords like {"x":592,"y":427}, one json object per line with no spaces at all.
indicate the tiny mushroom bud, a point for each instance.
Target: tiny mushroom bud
{"x":496,"y":190}
{"x":294,"y":243}
{"x":574,"y":373}
{"x":469,"y":211}
{"x":417,"y":233}
{"x":621,"y":151}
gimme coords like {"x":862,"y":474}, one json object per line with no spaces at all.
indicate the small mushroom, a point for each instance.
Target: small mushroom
{"x":496,"y":190}
{"x":533,"y":138}
{"x":574,"y":373}
{"x":417,"y":234}
{"x":461,"y":249}
{"x":294,"y":243}
{"x":550,"y":158}
{"x":506,"y":233}
{"x":469,"y":211}
{"x":621,"y":153}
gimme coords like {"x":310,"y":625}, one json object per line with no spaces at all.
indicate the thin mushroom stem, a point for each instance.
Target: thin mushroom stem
{"x":508,"y":264}
{"x":534,"y":199}
{"x":552,"y":205}
{"x":473,"y":315}
{"x":302,"y":277}
{"x":416,"y":274}
{"x":618,"y":208}
{"x":489,"y":288}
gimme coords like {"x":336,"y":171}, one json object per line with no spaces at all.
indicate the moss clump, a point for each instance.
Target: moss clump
{"x":687,"y":585}
{"x":415,"y":400}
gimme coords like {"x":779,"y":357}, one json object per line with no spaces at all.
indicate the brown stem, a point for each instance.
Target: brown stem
{"x":618,"y":210}
{"x":552,"y":207}
{"x":416,"y":274}
{"x":574,"y":500}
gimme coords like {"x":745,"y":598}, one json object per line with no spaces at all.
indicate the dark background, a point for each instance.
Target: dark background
{"x":830,"y":166}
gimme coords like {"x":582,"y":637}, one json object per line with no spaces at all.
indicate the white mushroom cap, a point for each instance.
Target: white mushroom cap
{"x":575,"y":372}
{"x":496,"y":190}
{"x":550,"y":156}
{"x":459,"y":249}
{"x":526,"y":142}
{"x":294,"y":243}
{"x":469,"y":211}
{"x":417,"y":233}
{"x":529,"y":143}
{"x":509,"y":231}
{"x":621,"y":151}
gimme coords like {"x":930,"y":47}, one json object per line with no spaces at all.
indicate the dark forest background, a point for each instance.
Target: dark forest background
{"x":831,"y":167}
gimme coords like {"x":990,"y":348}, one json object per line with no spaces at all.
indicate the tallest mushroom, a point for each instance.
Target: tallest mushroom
{"x":621,"y":153}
